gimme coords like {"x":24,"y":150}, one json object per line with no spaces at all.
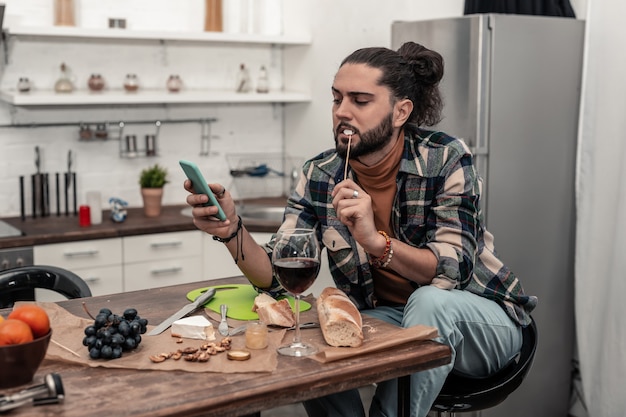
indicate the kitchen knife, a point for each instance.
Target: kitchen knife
{"x":198,"y":302}
{"x":68,"y":180}
{"x":37,"y":179}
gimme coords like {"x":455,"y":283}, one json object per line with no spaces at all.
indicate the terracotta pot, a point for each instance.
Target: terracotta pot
{"x":152,"y":198}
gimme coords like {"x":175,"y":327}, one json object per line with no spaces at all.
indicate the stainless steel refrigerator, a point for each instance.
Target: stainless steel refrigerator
{"x":511,"y":89}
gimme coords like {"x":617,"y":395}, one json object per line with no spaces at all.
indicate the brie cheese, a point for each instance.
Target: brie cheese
{"x":193,"y":327}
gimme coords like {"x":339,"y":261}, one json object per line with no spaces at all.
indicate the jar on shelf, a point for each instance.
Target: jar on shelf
{"x":263,"y":83}
{"x":64,"y":13}
{"x":174,"y":83}
{"x":64,"y":84}
{"x":23,"y":85}
{"x":131,"y":83}
{"x":213,"y":15}
{"x":243,"y":79}
{"x":95,"y":82}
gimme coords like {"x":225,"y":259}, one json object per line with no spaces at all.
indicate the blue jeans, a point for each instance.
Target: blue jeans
{"x":481,"y":335}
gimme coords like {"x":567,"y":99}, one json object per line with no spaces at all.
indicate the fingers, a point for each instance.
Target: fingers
{"x":344,"y":185}
{"x":201,"y":211}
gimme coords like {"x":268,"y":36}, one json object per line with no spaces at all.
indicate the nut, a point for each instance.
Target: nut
{"x":157,"y":358}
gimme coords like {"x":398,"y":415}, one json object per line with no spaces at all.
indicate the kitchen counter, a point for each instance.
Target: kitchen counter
{"x":58,"y":229}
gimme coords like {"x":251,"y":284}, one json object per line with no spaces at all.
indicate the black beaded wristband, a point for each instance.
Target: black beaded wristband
{"x":228,"y":239}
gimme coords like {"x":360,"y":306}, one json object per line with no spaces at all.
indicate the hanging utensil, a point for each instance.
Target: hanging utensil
{"x":37,"y":184}
{"x":68,"y":181}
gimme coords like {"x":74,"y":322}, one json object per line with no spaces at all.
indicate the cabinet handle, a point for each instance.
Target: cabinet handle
{"x":89,"y":252}
{"x":162,"y":271}
{"x":92,"y":279}
{"x":165,"y":244}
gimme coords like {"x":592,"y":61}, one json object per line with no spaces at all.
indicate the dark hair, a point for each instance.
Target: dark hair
{"x":412,"y":72}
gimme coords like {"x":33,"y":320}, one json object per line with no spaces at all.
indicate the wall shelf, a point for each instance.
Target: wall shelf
{"x":84,"y":97}
{"x":124,"y":34}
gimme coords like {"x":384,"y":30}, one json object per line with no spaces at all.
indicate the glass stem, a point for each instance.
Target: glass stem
{"x":296,"y":338}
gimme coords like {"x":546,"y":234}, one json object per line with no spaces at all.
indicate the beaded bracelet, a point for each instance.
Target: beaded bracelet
{"x":228,"y":239}
{"x":384,"y":260}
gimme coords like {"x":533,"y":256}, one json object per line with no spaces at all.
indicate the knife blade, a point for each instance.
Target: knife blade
{"x":165,"y":324}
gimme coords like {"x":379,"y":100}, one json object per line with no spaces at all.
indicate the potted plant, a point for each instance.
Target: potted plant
{"x":152,"y":180}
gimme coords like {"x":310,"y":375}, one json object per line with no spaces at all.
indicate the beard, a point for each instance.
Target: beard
{"x":371,"y":141}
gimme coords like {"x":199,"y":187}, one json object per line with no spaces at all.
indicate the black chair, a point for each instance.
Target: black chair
{"x":18,"y":284}
{"x":463,"y":394}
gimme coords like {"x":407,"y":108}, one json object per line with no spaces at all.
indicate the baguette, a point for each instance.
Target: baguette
{"x":272,"y":312}
{"x":340,"y":320}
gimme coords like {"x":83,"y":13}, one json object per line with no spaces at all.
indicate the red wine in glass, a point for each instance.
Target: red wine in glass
{"x":296,"y":263}
{"x":297,"y":274}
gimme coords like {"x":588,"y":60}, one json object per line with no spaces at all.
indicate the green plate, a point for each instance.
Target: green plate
{"x":239,"y":298}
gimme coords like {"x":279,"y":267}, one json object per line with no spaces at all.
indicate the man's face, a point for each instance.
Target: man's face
{"x":362,"y":106}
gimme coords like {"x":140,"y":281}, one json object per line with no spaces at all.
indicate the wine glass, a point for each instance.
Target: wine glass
{"x":296,"y":262}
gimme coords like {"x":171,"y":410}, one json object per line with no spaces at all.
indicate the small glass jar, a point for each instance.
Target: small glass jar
{"x":256,"y":335}
{"x":174,"y":83}
{"x":23,"y":85}
{"x":95,"y":82}
{"x":64,"y":84}
{"x":263,"y":83}
{"x":131,"y":83}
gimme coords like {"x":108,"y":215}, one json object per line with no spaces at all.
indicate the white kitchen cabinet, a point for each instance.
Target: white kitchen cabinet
{"x":162,"y":259}
{"x":98,"y":262}
{"x":144,"y":275}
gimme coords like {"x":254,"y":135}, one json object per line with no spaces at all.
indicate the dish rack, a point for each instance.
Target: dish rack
{"x":257,"y":175}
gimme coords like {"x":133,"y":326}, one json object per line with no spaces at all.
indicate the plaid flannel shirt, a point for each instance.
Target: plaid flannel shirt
{"x":436,"y":206}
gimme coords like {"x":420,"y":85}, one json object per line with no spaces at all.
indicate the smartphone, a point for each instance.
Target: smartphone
{"x":200,"y":185}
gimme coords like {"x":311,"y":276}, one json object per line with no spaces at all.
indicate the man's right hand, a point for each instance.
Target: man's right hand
{"x":204,"y":216}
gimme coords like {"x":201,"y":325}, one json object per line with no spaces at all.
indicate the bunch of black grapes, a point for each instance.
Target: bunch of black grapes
{"x":110,"y":334}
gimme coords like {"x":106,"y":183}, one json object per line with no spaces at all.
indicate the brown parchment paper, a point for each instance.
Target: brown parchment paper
{"x":68,"y":333}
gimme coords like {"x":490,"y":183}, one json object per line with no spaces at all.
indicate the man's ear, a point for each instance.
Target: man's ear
{"x":401,"y":112}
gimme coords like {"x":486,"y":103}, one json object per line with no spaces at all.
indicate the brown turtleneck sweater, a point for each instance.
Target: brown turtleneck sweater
{"x":379,"y":181}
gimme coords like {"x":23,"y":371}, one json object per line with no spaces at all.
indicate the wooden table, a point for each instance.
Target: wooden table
{"x":122,"y":392}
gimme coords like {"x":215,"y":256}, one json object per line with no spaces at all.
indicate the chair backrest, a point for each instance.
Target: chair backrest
{"x":18,"y":284}
{"x":461,"y":393}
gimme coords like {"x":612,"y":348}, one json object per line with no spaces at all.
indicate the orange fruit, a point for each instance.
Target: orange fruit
{"x":14,"y":332}
{"x":1,"y":319}
{"x":33,"y":315}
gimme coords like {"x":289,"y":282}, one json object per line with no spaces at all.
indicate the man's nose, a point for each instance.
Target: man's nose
{"x":343,"y":110}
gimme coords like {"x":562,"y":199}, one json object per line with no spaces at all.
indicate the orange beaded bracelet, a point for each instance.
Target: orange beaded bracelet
{"x":385,"y":258}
